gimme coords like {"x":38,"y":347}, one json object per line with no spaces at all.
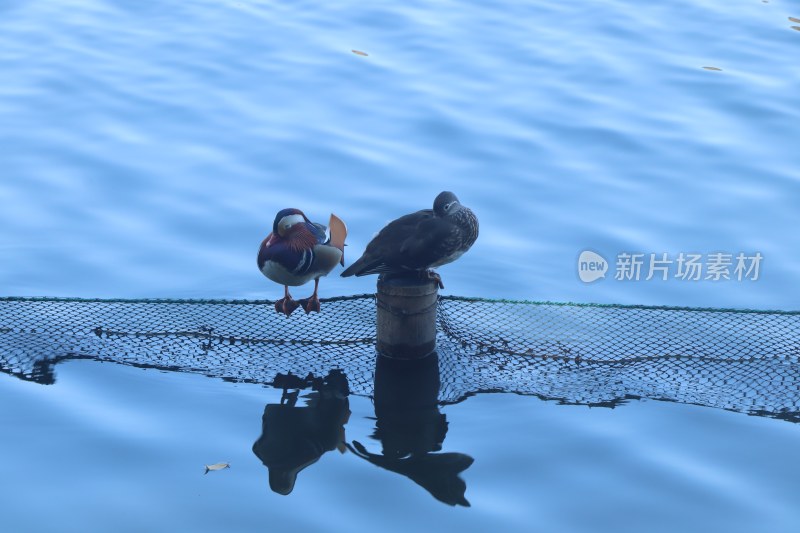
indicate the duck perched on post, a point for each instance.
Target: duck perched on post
{"x":298,"y":251}
{"x":418,"y":242}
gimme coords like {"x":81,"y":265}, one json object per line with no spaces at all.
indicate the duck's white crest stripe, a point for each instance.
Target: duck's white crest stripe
{"x":291,"y":220}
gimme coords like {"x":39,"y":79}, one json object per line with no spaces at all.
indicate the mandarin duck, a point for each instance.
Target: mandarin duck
{"x":298,"y":251}
{"x":418,"y":242}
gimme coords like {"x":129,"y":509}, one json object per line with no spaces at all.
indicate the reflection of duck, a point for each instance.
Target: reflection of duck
{"x":295,"y":437}
{"x":419,"y":241}
{"x":435,"y":472}
{"x":410,"y":427}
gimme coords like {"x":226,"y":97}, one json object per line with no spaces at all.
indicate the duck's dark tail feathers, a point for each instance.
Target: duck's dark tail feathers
{"x":354,"y":269}
{"x":365,"y":266}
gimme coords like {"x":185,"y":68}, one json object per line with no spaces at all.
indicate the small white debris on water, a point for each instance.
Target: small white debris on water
{"x":216,"y":466}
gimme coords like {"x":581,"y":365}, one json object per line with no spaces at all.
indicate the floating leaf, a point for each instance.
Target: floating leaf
{"x":359,"y":52}
{"x":217,"y":466}
{"x":712,"y":68}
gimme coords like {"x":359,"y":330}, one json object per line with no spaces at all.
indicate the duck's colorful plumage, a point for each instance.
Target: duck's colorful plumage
{"x":298,"y":251}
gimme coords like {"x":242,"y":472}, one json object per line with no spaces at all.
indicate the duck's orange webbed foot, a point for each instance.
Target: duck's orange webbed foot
{"x":310,"y":304}
{"x":287,"y":304}
{"x":430,"y":274}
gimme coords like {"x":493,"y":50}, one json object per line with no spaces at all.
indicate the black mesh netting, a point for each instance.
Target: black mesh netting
{"x":746,"y":361}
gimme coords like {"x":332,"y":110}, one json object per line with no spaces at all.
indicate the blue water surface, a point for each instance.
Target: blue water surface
{"x":145,"y":147}
{"x":121,"y":448}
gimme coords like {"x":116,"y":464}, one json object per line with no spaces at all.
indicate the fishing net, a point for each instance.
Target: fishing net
{"x":602,"y":355}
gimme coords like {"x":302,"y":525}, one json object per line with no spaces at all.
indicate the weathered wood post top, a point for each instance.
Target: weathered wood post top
{"x":406,"y":316}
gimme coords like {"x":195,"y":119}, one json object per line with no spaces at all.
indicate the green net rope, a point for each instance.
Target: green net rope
{"x":592,"y":354}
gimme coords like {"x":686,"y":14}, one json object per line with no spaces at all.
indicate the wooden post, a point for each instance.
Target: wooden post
{"x":406,"y":316}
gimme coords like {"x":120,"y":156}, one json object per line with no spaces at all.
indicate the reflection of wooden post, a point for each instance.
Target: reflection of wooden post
{"x":406,"y":316}
{"x":406,"y":397}
{"x":402,"y":384}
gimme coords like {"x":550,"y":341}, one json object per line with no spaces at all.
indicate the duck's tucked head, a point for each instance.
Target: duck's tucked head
{"x":446,"y":204}
{"x":285,"y":219}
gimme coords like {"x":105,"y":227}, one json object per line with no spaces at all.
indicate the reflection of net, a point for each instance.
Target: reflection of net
{"x":746,"y":361}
